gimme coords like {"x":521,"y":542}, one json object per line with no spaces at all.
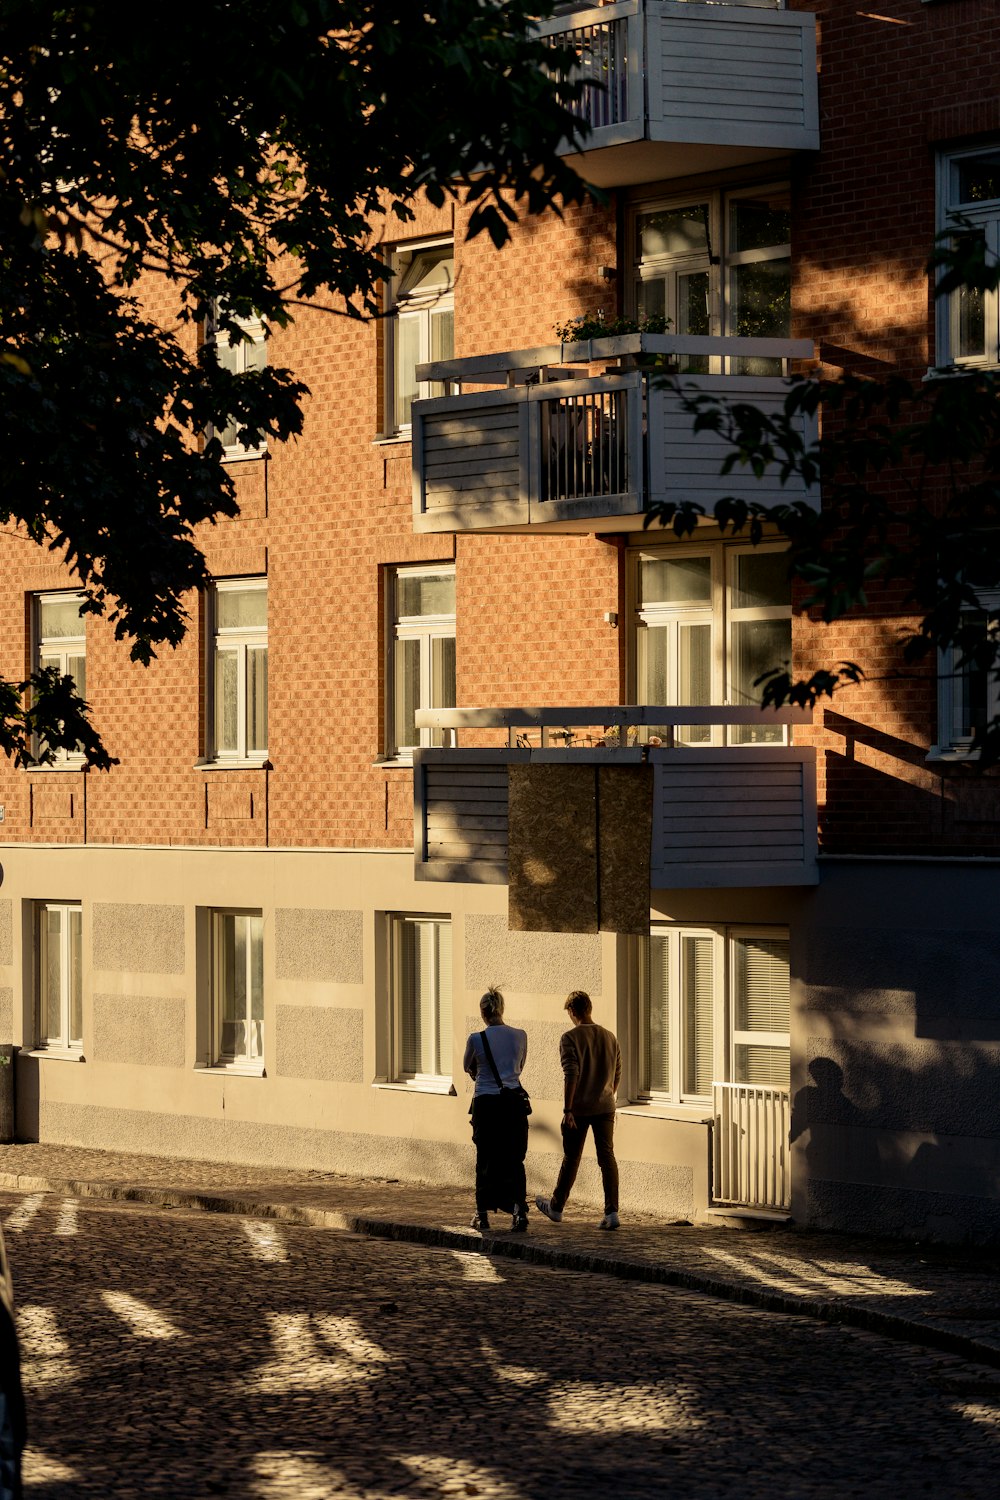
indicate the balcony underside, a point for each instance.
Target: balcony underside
{"x":634,"y":160}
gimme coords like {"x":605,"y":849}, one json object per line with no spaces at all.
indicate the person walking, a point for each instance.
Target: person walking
{"x":592,"y":1069}
{"x":494,"y":1057}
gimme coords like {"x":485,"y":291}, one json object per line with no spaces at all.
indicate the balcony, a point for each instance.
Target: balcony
{"x":581,"y":438}
{"x":681,"y":87}
{"x":708,"y":812}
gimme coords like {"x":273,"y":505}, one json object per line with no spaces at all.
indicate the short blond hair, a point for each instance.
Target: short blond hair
{"x":491,"y":1004}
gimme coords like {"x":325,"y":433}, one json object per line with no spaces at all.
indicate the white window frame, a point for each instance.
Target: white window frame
{"x":239,"y":358}
{"x":725,"y":1039}
{"x":423,"y":628}
{"x":64,"y":1045}
{"x":241,"y":641}
{"x":719,"y":614}
{"x":985,"y":215}
{"x":397,"y":925}
{"x":719,"y":261}
{"x":253,"y":1062}
{"x":59,"y":650}
{"x":952,"y":743}
{"x":418,"y":307}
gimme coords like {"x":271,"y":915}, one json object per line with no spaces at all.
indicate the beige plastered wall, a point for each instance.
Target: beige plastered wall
{"x":144,"y":1084}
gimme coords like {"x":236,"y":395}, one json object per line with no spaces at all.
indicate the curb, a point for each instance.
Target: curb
{"x":846,"y":1314}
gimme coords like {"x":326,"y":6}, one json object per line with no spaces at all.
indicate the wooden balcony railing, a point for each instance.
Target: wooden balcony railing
{"x":722,"y":814}
{"x":666,"y":78}
{"x":560,"y":447}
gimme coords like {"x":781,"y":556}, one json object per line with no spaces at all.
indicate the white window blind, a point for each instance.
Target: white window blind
{"x":60,"y":986}
{"x":655,"y":1066}
{"x":698,"y":980}
{"x":423,"y":998}
{"x":761,"y":1007}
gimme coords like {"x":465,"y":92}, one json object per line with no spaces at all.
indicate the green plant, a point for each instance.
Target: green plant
{"x":578,"y":330}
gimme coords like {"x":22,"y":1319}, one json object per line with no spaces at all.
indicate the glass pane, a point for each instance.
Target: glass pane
{"x":675,"y":580}
{"x":255,"y":927}
{"x":416,"y":1000}
{"x":442,"y":343}
{"x":759,"y":223}
{"x":442,"y":678}
{"x":979,"y":178}
{"x":58,"y":618}
{"x":694,"y":678}
{"x":227,"y":666}
{"x":424,"y":594}
{"x":237,"y":1003}
{"x":652,"y":671}
{"x":76,"y":667}
{"x":697,"y":989}
{"x":51,"y":1008}
{"x":758,"y":645}
{"x":971,"y":695}
{"x":693,"y":316}
{"x":241,"y":609}
{"x":657,"y":1016}
{"x":443,"y":1060}
{"x":430,"y":273}
{"x":651,"y":298}
{"x":767,"y":1066}
{"x":761,"y":309}
{"x":407,"y":359}
{"x":674,"y":231}
{"x":256,"y":699}
{"x":406,"y":675}
{"x":225,"y":978}
{"x":969,"y":313}
{"x":75,"y":918}
{"x":762,"y":581}
{"x":762,"y":999}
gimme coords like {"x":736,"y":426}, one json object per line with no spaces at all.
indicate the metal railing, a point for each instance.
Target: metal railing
{"x":750,"y":1149}
{"x":584,"y":446}
{"x":601,"y":51}
{"x":613,"y":726}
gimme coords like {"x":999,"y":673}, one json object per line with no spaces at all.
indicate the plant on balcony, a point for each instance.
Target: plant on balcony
{"x":579,"y":330}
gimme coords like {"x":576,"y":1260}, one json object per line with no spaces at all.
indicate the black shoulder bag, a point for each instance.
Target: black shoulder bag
{"x":516,"y":1099}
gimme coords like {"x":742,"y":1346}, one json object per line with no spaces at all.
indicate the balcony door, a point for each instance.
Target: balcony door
{"x":708,"y":623}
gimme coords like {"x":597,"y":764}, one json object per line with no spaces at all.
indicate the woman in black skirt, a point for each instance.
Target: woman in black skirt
{"x":499,"y":1118}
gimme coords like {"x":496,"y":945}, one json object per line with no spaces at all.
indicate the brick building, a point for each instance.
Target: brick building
{"x":263,"y":935}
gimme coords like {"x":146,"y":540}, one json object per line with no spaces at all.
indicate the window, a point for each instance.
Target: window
{"x":709,"y":621}
{"x":237,"y":989}
{"x":58,"y":941}
{"x":60,"y":642}
{"x":968,"y":322}
{"x":968,"y":694}
{"x":249,"y":353}
{"x":717,"y":263}
{"x":422,"y":653}
{"x":420,"y":969}
{"x":713,"y":1007}
{"x":237,"y":699}
{"x":422,"y":325}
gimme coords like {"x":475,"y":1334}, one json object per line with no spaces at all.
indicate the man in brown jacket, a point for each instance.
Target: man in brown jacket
{"x":592,"y":1069}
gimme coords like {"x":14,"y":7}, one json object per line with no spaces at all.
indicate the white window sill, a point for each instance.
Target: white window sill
{"x":428,"y":1086}
{"x":243,"y":455}
{"x":62,"y":1054}
{"x":238,"y":1070}
{"x":394,"y":762}
{"x":951,"y":754}
{"x":685,"y":1114}
{"x":234,"y":765}
{"x":392,"y":440}
{"x":62,"y":765}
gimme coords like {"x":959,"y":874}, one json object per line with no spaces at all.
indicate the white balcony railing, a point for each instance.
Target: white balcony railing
{"x":750,"y":1153}
{"x":677,"y":86}
{"x":722,"y":814}
{"x":561,"y":447}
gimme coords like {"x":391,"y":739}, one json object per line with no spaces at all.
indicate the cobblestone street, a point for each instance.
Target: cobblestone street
{"x":169,"y":1353}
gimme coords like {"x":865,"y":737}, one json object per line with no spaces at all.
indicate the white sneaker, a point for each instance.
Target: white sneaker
{"x":610,"y":1221}
{"x":544,"y":1206}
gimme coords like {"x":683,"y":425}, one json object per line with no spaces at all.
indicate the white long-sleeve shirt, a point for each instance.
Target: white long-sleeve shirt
{"x":509,"y":1046}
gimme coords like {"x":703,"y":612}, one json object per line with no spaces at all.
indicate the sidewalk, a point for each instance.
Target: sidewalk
{"x":944,"y":1299}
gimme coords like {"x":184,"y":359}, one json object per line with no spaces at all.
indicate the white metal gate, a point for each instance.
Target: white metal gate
{"x":750,"y":1146}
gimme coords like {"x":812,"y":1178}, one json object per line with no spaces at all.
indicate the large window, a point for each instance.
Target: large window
{"x":713,"y":1007}
{"x":60,"y":642}
{"x":237,"y":989}
{"x":709,"y":622}
{"x":421,"y":326}
{"x":421,"y":1021}
{"x":249,"y":353}
{"x":421,"y":668}
{"x":717,"y":263}
{"x":58,"y":967}
{"x":237,"y":699}
{"x":968,"y":322}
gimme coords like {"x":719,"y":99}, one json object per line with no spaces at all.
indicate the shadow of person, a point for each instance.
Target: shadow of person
{"x":842,"y":1146}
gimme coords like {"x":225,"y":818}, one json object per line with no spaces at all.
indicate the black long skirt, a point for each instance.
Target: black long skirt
{"x":500,"y":1135}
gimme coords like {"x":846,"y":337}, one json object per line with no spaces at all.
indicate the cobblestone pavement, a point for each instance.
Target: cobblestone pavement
{"x":946,"y":1299}
{"x":175,"y":1353}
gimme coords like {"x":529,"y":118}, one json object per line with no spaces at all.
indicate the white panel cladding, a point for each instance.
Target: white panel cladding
{"x":744,"y":815}
{"x":460,"y":814}
{"x":728,"y":75}
{"x":686,"y":465}
{"x":468,"y":453}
